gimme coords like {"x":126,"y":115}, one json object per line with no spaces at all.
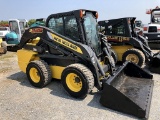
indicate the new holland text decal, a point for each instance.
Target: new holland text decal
{"x":66,"y":43}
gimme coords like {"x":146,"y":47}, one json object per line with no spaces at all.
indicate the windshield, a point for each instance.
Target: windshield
{"x":91,"y":29}
{"x":22,"y":27}
{"x":156,"y":17}
{"x":14,"y":26}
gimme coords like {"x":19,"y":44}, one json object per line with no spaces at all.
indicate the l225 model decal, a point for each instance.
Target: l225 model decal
{"x":117,"y":38}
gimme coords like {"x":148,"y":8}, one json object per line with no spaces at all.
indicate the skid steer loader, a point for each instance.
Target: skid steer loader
{"x":128,"y":44}
{"x":69,"y":49}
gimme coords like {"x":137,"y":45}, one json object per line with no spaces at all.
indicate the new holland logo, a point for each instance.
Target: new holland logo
{"x":36,"y":30}
{"x":66,"y":43}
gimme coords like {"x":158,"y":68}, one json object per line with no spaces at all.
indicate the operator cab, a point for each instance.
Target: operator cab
{"x":79,"y":25}
{"x":17,"y":26}
{"x":115,"y":29}
{"x":118,"y":30}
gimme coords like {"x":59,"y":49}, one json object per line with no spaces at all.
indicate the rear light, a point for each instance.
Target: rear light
{"x":145,"y":28}
{"x":158,"y":29}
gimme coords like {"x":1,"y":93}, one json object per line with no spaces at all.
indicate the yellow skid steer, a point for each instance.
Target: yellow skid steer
{"x":69,"y":48}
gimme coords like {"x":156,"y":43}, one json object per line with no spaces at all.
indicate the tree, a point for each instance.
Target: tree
{"x":4,"y":23}
{"x":31,"y":21}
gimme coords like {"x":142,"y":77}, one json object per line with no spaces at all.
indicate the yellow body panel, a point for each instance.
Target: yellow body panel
{"x":57,"y":71}
{"x":34,"y":41}
{"x":120,"y":50}
{"x":0,"y":41}
{"x":102,"y":62}
{"x":24,"y":57}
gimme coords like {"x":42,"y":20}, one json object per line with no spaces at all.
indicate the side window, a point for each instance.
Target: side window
{"x":22,"y":27}
{"x":71,"y":28}
{"x":116,"y":29}
{"x":14,"y":26}
{"x":56,"y":24}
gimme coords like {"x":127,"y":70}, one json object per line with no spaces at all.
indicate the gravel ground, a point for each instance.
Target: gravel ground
{"x":21,"y":101}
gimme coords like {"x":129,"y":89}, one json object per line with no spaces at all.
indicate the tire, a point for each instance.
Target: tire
{"x":77,"y":80}
{"x":134,"y":55}
{"x":114,"y":55}
{"x":38,"y":73}
{"x":4,"y":47}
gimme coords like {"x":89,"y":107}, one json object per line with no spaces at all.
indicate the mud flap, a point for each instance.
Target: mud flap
{"x":154,"y":64}
{"x":128,"y":91}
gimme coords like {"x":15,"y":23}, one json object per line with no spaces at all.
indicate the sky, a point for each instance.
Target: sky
{"x":107,"y":9}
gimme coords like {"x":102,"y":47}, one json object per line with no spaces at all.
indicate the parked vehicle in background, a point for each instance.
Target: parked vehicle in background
{"x":127,"y":44}
{"x":17,"y":28}
{"x":152,"y":30}
{"x":39,"y":22}
{"x":4,"y":31}
{"x":12,"y":37}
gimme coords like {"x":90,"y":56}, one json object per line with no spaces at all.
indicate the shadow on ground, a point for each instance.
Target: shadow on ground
{"x":21,"y":78}
{"x":95,"y":104}
{"x":55,"y":85}
{"x":58,"y":90}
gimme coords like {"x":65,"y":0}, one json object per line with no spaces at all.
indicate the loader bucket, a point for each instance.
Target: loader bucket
{"x":154,"y":64}
{"x":128,"y":91}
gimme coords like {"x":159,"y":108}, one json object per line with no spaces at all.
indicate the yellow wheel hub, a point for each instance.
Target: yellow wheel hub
{"x":133,"y":58}
{"x":34,"y":74}
{"x":74,"y":82}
